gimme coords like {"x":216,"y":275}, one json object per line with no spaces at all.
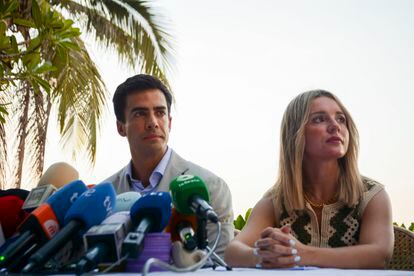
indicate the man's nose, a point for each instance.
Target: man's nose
{"x":151,"y":122}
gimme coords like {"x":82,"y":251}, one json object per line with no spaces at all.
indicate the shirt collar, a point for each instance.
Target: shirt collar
{"x":155,"y":176}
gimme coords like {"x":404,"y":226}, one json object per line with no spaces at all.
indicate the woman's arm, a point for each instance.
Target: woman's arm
{"x":241,"y":251}
{"x":375,"y":246}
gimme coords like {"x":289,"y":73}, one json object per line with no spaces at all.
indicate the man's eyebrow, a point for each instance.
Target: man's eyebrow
{"x":160,"y":107}
{"x":138,"y":108}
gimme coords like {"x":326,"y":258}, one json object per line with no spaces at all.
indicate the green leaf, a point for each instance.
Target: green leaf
{"x":11,"y":6}
{"x":411,"y":228}
{"x":42,"y":83}
{"x":24,"y":22}
{"x":46,"y":67}
{"x":36,"y":14}
{"x":34,"y":43}
{"x":239,"y":223}
{"x":31,"y":60}
{"x":249,"y":211}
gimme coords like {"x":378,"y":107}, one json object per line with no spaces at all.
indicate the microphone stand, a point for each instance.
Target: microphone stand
{"x":202,"y":243}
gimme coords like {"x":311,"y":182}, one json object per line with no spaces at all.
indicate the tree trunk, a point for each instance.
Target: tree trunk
{"x":22,"y":135}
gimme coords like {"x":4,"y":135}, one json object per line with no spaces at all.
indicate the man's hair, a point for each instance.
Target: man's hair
{"x":289,"y":185}
{"x":137,"y":84}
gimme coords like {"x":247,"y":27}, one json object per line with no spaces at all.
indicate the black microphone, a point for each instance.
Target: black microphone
{"x":90,"y":209}
{"x":104,"y":242}
{"x":150,"y":213}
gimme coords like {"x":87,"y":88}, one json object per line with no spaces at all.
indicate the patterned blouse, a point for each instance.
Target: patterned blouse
{"x":340,"y":224}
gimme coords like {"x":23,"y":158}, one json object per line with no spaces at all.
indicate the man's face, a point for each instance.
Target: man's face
{"x":147,"y":123}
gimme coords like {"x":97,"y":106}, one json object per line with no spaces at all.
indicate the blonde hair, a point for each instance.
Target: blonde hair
{"x":289,"y":185}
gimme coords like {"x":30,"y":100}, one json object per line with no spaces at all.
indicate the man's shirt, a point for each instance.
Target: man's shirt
{"x":155,"y":176}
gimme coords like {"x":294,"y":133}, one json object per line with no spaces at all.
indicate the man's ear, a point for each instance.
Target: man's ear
{"x":169,"y":122}
{"x":121,"y":128}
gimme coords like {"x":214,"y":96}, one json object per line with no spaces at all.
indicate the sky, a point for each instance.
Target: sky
{"x":239,"y":63}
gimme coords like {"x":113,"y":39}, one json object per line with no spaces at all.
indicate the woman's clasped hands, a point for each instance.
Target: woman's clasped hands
{"x":277,"y":248}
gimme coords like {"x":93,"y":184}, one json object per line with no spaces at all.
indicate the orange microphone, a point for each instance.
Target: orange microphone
{"x":182,"y":228}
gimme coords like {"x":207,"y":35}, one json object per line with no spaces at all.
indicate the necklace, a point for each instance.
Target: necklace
{"x":319,"y":205}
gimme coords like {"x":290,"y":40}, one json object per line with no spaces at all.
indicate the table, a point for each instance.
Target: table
{"x":281,"y":272}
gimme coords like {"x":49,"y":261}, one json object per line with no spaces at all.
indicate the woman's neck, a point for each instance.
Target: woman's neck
{"x":320,"y":179}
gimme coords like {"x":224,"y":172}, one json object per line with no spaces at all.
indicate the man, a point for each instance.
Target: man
{"x":142,"y":107}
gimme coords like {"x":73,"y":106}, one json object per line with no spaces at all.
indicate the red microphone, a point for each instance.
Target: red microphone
{"x":11,"y":214}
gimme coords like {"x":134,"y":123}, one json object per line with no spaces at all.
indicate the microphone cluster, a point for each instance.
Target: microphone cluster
{"x":113,"y":228}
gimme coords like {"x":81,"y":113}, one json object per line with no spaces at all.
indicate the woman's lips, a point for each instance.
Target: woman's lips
{"x":334,"y":140}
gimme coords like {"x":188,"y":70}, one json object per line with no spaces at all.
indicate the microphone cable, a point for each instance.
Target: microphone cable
{"x":194,"y":267}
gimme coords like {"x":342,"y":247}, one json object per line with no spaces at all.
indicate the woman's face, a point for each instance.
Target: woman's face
{"x":326,"y":132}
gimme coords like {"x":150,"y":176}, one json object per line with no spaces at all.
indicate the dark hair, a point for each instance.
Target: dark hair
{"x":136,"y":84}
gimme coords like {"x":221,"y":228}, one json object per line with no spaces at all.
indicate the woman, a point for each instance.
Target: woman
{"x":321,"y":212}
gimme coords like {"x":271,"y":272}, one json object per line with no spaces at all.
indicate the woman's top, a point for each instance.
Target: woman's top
{"x":340,"y":224}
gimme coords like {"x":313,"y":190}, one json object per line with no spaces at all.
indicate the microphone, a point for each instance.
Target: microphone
{"x":190,"y":195}
{"x":184,"y":258}
{"x":125,"y":201}
{"x":90,"y":209}
{"x":37,"y":196}
{"x":150,"y":213}
{"x":182,"y":229}
{"x":104,"y":241}
{"x":44,"y":222}
{"x":15,"y":192}
{"x":11,"y":214}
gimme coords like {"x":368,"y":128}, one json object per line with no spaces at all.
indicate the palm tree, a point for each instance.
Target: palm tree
{"x":70,"y":81}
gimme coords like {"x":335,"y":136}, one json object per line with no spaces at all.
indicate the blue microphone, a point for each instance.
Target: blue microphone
{"x":90,"y":209}
{"x":151,"y":213}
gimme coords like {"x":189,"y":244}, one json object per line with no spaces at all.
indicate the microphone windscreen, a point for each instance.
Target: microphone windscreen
{"x":118,"y":217}
{"x":62,"y":199}
{"x":176,"y":219}
{"x":59,"y":174}
{"x":155,"y":205}
{"x":93,"y":206}
{"x":15,"y":192}
{"x":183,"y":188}
{"x":125,"y":201}
{"x":11,"y":214}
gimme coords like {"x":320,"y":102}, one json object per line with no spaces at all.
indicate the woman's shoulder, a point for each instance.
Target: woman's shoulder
{"x":371,"y":188}
{"x":371,"y":185}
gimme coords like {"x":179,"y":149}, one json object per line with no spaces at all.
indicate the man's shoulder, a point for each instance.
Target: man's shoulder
{"x":195,"y":169}
{"x":117,"y":180}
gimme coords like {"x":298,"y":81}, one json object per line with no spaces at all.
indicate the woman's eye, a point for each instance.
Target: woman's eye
{"x":318,"y":119}
{"x":341,"y":119}
{"x":161,"y":113}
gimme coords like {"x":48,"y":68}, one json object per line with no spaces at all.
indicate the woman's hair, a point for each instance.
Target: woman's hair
{"x":289,"y":185}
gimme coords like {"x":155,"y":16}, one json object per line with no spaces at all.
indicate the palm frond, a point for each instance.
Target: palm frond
{"x":80,"y":96}
{"x":118,"y":25}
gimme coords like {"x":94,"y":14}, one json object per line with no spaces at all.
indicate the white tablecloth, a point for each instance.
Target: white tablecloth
{"x":280,"y":272}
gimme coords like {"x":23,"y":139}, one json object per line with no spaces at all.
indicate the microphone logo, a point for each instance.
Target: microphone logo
{"x":89,"y":192}
{"x":51,"y":227}
{"x":74,"y":197}
{"x":185,"y":177}
{"x":107,"y":204}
